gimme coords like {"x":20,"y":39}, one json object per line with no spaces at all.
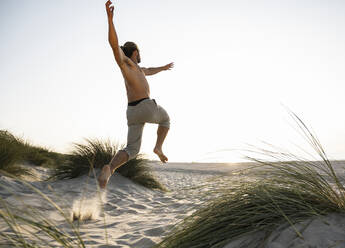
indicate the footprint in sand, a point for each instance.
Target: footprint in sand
{"x":138,"y":206}
{"x":129,"y":237}
{"x":136,"y":223}
{"x":112,"y":225}
{"x":154,"y":232}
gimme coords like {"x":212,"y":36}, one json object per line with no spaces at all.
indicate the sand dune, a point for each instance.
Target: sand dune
{"x":137,"y":217}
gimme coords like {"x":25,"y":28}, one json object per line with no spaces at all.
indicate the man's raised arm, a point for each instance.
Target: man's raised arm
{"x":112,"y":36}
{"x":154,"y":70}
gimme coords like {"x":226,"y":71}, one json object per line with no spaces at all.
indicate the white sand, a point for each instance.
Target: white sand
{"x":137,"y":217}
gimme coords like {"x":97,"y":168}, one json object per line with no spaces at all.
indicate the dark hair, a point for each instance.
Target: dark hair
{"x":128,"y":48}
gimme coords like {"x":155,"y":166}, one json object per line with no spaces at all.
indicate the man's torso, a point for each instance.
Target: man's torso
{"x":136,"y":84}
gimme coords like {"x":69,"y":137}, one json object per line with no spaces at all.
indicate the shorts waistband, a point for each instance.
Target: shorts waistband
{"x":137,"y":101}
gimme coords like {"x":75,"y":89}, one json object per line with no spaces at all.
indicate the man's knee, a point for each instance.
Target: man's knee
{"x":164,"y":118}
{"x":165,"y":122}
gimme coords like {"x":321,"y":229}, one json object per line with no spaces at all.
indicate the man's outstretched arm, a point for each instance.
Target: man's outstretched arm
{"x":112,"y":36}
{"x":154,"y":70}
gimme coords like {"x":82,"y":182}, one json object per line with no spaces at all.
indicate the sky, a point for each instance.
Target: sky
{"x":238,"y":66}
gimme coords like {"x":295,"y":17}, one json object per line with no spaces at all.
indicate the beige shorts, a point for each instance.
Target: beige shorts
{"x":147,"y":111}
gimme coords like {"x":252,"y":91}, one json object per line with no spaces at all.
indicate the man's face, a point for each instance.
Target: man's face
{"x":138,"y":57}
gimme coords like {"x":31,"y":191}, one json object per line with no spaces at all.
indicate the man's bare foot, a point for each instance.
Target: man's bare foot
{"x":104,"y":176}
{"x":160,"y":154}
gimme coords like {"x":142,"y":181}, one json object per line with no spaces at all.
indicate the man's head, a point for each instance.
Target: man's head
{"x":131,"y":50}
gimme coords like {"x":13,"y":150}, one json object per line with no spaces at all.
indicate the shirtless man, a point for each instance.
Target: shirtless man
{"x":141,"y":108}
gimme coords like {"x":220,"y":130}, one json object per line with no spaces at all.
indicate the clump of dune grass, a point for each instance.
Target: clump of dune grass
{"x":95,"y":154}
{"x":15,"y":151}
{"x":287,"y":191}
{"x":10,"y":155}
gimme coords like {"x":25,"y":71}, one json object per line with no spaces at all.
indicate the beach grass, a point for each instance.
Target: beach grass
{"x":11,"y":154}
{"x":288,"y":190}
{"x":15,"y":152}
{"x":95,"y":153}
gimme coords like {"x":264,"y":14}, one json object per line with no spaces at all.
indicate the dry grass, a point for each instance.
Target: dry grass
{"x":95,"y":154}
{"x":289,"y":190}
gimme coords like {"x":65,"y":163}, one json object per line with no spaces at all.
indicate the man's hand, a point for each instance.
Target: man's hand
{"x":110,"y":10}
{"x":168,"y":66}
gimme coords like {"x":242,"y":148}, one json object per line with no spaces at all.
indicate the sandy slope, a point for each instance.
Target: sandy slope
{"x":138,"y":218}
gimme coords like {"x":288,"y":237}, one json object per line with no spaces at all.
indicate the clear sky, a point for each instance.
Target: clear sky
{"x":236,"y":64}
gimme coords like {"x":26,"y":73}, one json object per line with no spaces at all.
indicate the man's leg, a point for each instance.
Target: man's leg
{"x":132,"y":149}
{"x":119,"y":159}
{"x":162,"y":132}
